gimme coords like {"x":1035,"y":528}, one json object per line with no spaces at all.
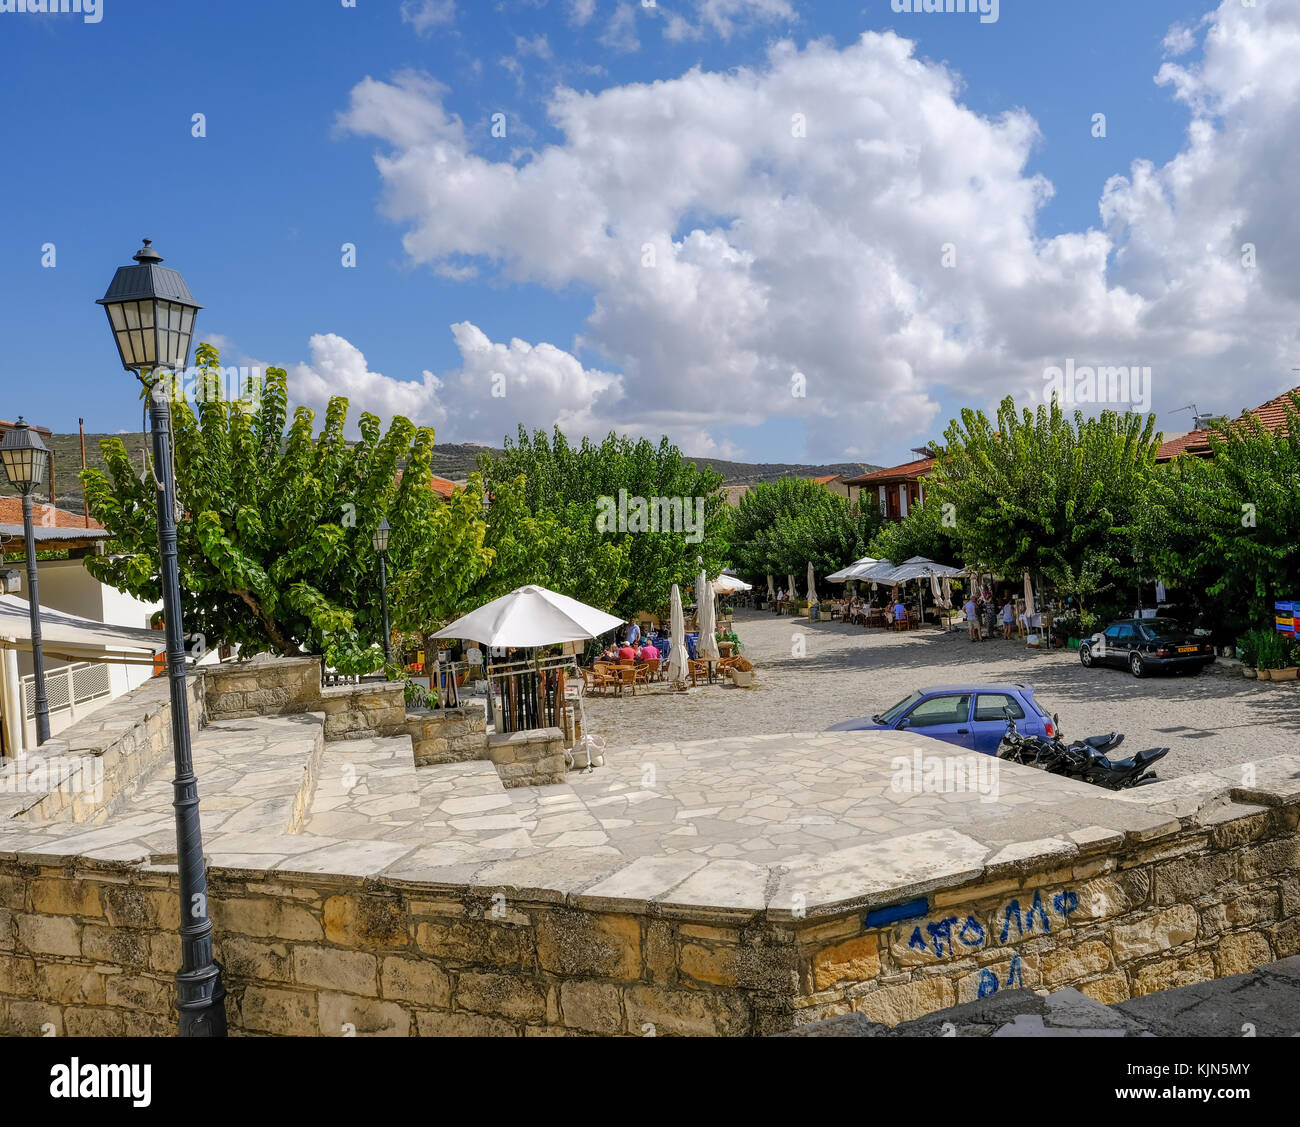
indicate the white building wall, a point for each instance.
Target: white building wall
{"x":67,"y":586}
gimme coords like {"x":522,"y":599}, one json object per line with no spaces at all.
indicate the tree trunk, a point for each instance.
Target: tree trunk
{"x":282,"y":644}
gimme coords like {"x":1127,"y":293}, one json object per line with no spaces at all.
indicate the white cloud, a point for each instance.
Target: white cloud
{"x":581,"y":11}
{"x":425,"y":15}
{"x":620,"y":33}
{"x":726,"y":17}
{"x":797,"y":216}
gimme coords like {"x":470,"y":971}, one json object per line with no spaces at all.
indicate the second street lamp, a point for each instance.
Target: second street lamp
{"x":152,"y":316}
{"x":25,"y":458}
{"x":380,"y":542}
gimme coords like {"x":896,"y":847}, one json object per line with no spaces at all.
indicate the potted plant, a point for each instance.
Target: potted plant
{"x":1272,"y":656}
{"x":1248,"y":652}
{"x":1291,"y":667}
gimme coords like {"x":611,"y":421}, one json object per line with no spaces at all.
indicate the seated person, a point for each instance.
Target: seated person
{"x":650,"y":652}
{"x":626,"y":652}
{"x":900,"y":612}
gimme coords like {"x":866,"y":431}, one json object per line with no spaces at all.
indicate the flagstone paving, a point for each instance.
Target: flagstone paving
{"x":742,"y":823}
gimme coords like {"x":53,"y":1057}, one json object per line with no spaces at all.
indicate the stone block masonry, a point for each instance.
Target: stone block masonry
{"x":447,"y":735}
{"x":89,"y":947}
{"x":524,"y":759}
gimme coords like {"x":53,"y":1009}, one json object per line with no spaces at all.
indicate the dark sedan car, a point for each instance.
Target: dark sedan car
{"x":1144,"y":645}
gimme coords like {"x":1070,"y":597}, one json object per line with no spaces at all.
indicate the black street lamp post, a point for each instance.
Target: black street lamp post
{"x":152,"y":315}
{"x":25,"y":458}
{"x":380,"y":541}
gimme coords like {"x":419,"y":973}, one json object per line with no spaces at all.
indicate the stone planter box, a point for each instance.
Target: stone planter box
{"x":1287,"y":674}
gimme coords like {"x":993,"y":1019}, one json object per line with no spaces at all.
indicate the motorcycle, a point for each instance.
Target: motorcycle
{"x":1085,"y":760}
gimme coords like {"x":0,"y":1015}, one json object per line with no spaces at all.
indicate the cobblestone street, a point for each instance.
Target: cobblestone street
{"x":1212,"y":720}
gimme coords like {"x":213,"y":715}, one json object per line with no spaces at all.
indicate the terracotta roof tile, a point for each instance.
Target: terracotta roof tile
{"x":11,"y":512}
{"x":1271,"y":414}
{"x":908,"y":471}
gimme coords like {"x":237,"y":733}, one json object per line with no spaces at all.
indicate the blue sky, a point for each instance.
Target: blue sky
{"x":255,"y":213}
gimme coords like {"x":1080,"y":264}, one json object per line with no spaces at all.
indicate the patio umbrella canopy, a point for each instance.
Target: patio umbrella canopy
{"x":676,"y":670}
{"x":531,"y":616}
{"x":727,"y":584}
{"x":853,"y":571}
{"x":707,"y":648}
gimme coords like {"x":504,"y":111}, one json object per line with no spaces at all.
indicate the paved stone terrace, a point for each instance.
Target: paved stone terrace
{"x":741,"y":824}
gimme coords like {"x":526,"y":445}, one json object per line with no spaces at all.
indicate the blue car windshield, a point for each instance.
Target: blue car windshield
{"x":891,"y":715}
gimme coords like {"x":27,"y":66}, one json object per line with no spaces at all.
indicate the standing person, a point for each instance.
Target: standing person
{"x":972,"y":618}
{"x":633,"y":634}
{"x":991,"y":616}
{"x":1008,"y":614}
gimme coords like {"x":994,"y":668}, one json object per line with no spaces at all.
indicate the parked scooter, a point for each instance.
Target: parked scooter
{"x":1085,"y":760}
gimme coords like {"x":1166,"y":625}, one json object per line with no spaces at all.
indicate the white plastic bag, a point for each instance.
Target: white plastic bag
{"x":588,"y":752}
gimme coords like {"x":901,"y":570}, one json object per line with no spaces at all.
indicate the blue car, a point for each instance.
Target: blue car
{"x":969,"y":716}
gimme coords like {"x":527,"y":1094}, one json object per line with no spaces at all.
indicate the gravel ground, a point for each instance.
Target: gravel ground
{"x":1209,"y":720}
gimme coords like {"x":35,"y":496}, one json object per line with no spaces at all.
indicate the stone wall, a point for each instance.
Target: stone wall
{"x":528,"y":759}
{"x":90,"y":947}
{"x":447,"y":735}
{"x":264,"y":686}
{"x":118,"y":747}
{"x":372,"y":708}
{"x":288,"y":685}
{"x":1113,"y":922}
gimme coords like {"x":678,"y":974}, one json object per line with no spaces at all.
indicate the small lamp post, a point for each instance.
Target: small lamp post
{"x":151,"y":314}
{"x":380,"y":542}
{"x":25,"y":457}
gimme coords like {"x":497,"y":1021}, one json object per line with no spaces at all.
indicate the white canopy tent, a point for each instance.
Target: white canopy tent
{"x":73,"y":638}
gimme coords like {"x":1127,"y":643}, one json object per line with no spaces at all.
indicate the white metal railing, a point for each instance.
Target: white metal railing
{"x":66,"y":687}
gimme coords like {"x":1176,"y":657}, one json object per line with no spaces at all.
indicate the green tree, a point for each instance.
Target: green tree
{"x":274,"y":536}
{"x":1037,"y":492}
{"x":780,"y":527}
{"x":566,"y":491}
{"x":1226,"y":529}
{"x":921,"y":533}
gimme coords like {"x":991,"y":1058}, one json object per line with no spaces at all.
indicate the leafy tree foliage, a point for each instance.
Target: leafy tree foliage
{"x":1227,"y":528}
{"x":275,"y":538}
{"x":781,"y":526}
{"x":1064,"y":500}
{"x":552,"y":496}
{"x":921,"y":533}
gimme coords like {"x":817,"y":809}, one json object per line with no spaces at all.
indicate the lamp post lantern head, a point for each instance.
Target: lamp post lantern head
{"x":25,"y":457}
{"x":380,"y":539}
{"x":151,"y":312}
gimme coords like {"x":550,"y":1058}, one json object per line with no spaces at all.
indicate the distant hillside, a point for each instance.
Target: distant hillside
{"x":453,"y":460}
{"x":752,"y":473}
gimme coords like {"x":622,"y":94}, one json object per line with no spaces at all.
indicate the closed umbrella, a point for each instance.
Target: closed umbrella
{"x":707,"y":648}
{"x":771,"y":588}
{"x":676,"y":671}
{"x":812,"y":589}
{"x":1029,"y":596}
{"x":793,"y":590}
